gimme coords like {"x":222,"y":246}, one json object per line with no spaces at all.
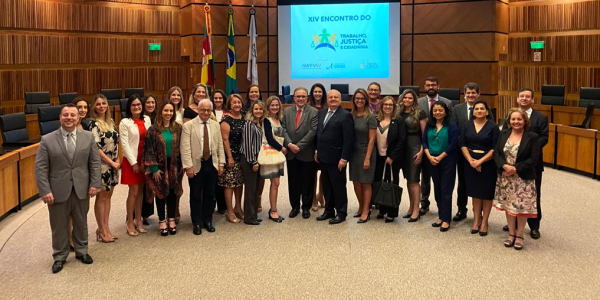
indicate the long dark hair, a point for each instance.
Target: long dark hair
{"x":247,"y":104}
{"x":152,"y":115}
{"x":212,"y":99}
{"x":323,"y":98}
{"x":432,"y":120}
{"x":132,"y":98}
{"x":173,"y":126}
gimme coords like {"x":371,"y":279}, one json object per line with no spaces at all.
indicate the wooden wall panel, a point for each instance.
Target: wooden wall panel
{"x":515,"y":77}
{"x":233,"y":2}
{"x":578,"y":48}
{"x":272,"y":22}
{"x":149,"y":2}
{"x":455,"y":17}
{"x":218,"y":14}
{"x":406,"y":19}
{"x":555,"y":16}
{"x":6,"y":52}
{"x":454,"y":47}
{"x":405,"y":48}
{"x":455,"y":75}
{"x":81,"y":16}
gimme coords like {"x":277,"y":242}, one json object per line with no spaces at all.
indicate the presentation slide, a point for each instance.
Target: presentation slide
{"x":353,"y":43}
{"x":340,"y":41}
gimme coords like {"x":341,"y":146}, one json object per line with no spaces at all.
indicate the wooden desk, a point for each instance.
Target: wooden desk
{"x":33,"y":126}
{"x":567,"y":115}
{"x":9,"y":184}
{"x":576,"y":148}
{"x":27,"y":185}
{"x":549,"y":152}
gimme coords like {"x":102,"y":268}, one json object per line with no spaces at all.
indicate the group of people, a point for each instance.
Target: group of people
{"x":216,"y":141}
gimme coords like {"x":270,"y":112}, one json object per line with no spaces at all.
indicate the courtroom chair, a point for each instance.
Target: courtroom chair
{"x":553,"y":95}
{"x":66,"y":98}
{"x":1,"y":112}
{"x":589,"y":95}
{"x":115,"y":102}
{"x":48,"y":117}
{"x":587,"y":121}
{"x":286,"y":96}
{"x":14,"y":128}
{"x":343,"y":88}
{"x":33,"y":100}
{"x":123,"y":107}
{"x":112,"y":94}
{"x":134,"y":91}
{"x":412,"y":87}
{"x":451,"y":94}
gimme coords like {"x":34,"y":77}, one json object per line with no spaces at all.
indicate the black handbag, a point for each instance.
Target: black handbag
{"x":386,"y":192}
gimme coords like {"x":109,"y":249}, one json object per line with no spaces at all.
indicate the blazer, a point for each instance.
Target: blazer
{"x":304,"y":136}
{"x":424,"y":104}
{"x":191,"y":144}
{"x":55,"y":173}
{"x":336,"y":140}
{"x":527,"y":156}
{"x":453,"y":134}
{"x":396,"y":140}
{"x":130,"y":138}
{"x":459,"y":116}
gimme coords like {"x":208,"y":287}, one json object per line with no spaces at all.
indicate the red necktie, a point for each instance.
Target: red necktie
{"x":431,"y":104}
{"x":298,"y":114}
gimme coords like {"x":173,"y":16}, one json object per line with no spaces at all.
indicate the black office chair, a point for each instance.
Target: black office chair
{"x":587,"y":121}
{"x":33,"y":100}
{"x":285,"y":94}
{"x":1,"y":112}
{"x":49,"y":118}
{"x":123,"y":107}
{"x":553,"y":95}
{"x":412,"y":87}
{"x":588,"y":96}
{"x":134,"y":91}
{"x":14,"y":128}
{"x":343,"y":88}
{"x":112,"y":94}
{"x":451,"y":94}
{"x":65,"y":98}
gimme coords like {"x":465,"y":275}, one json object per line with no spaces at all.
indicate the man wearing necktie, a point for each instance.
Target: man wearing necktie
{"x":300,"y":130}
{"x":461,"y":115}
{"x":67,"y":174}
{"x":432,"y":87}
{"x":202,"y":158}
{"x":335,"y":143}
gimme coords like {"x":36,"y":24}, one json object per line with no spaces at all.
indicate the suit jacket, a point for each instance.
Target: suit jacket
{"x":396,"y":140}
{"x":336,"y":140}
{"x":304,"y":136}
{"x":192,"y":147}
{"x":527,"y":156}
{"x":130,"y":138}
{"x":459,"y":116}
{"x":57,"y":174}
{"x":424,"y":104}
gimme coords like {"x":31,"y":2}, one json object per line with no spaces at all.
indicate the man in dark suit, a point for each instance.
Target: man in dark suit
{"x":432,"y":88}
{"x":539,"y":125}
{"x":300,"y":132}
{"x":335,"y":143}
{"x":67,"y":173}
{"x":461,"y":114}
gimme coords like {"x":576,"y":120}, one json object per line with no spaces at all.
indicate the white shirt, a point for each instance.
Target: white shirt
{"x":332,"y":113}
{"x":469,"y":111}
{"x":529,"y":111}
{"x":202,"y":132}
{"x":64,"y":134}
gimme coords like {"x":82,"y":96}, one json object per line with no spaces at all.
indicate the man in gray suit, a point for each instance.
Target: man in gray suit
{"x":300,"y":129}
{"x":67,"y":175}
{"x":432,"y":88}
{"x":461,"y":114}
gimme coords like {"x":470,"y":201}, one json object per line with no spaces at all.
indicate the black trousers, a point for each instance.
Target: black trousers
{"x":425,"y":182}
{"x":389,"y":170}
{"x":534,"y":223}
{"x":334,"y":190}
{"x":462,"y":199}
{"x":220,"y":198}
{"x":251,"y":196}
{"x":202,"y":193}
{"x":444,"y":177}
{"x":301,"y":183}
{"x":170,"y":202}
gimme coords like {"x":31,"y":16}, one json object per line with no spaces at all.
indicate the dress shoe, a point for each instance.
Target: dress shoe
{"x":423,"y":210}
{"x":210,"y":227}
{"x":258,"y":220}
{"x":482,"y":233}
{"x":306,"y":214}
{"x":252,"y":222}
{"x":444,"y":229}
{"x":475,"y":231}
{"x":337,"y":220}
{"x":361,"y":221}
{"x":294,"y":213}
{"x":279,"y":219}
{"x":86,"y":259}
{"x":380,"y":216}
{"x":57,"y":266}
{"x":324,"y":217}
{"x":197,"y":229}
{"x":460,"y":215}
{"x":410,"y":220}
{"x":535,"y":234}
{"x":406,"y":216}
{"x":505,"y":228}
{"x":388,"y":220}
{"x":436,"y":224}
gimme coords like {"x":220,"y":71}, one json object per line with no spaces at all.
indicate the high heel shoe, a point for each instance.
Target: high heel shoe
{"x":279,"y":219}
{"x":239,"y":215}
{"x":172,"y":229}
{"x":100,"y":238}
{"x":508,"y":243}
{"x":131,"y":233}
{"x":517,"y":245}
{"x":357,"y":215}
{"x":163,"y":231}
{"x":415,"y":219}
{"x":361,"y":221}
{"x":140,"y":229}
{"x":315,"y":207}
{"x":232,"y":218}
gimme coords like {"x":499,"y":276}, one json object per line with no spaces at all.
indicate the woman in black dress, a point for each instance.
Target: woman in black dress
{"x":477,"y":142}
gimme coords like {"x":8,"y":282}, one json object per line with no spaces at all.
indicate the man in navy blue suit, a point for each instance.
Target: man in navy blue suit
{"x":335,"y":142}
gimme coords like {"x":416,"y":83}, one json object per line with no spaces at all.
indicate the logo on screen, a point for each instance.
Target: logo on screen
{"x":324,"y":40}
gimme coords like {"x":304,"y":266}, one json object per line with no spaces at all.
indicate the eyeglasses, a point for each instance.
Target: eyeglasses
{"x":373,"y":90}
{"x":204,"y":110}
{"x":431,"y":85}
{"x":388,"y":104}
{"x":301,"y":97}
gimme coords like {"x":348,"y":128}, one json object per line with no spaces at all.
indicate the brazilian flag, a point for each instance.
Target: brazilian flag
{"x":231,"y":85}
